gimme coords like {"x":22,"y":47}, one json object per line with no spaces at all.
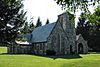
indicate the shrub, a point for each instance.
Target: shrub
{"x":50,"y":52}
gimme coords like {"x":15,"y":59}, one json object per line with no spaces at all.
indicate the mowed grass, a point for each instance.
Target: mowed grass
{"x":82,"y":60}
{"x":3,"y":49}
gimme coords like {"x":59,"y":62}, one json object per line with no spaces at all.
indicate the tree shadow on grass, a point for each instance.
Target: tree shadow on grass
{"x":12,"y":54}
{"x":94,"y":52}
{"x":3,"y":53}
{"x":72,"y":56}
{"x":54,"y":57}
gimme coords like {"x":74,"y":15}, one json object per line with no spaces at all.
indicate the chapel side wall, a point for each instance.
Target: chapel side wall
{"x":39,"y":48}
{"x":19,"y":49}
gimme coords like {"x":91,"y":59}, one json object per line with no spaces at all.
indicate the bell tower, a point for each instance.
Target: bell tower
{"x":69,"y":29}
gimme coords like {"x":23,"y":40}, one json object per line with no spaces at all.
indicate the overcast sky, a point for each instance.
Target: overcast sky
{"x":44,"y":9}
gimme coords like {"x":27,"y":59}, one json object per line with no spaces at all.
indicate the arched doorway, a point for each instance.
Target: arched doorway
{"x":80,"y":48}
{"x":71,"y":50}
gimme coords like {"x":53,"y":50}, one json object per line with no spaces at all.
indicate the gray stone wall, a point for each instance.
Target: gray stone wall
{"x":84,"y":44}
{"x":62,"y":36}
{"x":40,"y":48}
{"x":56,"y":39}
{"x":70,"y":32}
{"x":19,"y":49}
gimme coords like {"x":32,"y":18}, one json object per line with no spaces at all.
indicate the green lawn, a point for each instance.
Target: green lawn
{"x":84,"y":60}
{"x":89,"y":60}
{"x":3,"y":50}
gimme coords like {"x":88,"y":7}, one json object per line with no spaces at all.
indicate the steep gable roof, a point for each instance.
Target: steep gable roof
{"x":41,"y":34}
{"x":78,"y":37}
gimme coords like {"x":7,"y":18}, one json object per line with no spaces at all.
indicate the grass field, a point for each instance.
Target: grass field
{"x":82,"y":60}
{"x":3,"y":49}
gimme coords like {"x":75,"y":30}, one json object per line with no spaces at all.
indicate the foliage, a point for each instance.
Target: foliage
{"x":47,"y":22}
{"x":83,"y":27}
{"x":72,"y":5}
{"x":20,"y":37}
{"x":12,"y":18}
{"x":32,"y":27}
{"x":25,"y":29}
{"x":90,"y":29}
{"x":95,"y":17}
{"x":83,"y":5}
{"x":39,"y":23}
{"x":94,"y":39}
{"x":28,"y":27}
{"x":87,"y":60}
{"x":71,"y":17}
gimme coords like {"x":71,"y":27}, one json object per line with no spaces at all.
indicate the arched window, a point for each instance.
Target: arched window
{"x":53,"y":40}
{"x":62,"y":45}
{"x":58,"y":43}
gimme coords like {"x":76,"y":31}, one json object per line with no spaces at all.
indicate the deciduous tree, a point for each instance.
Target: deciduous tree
{"x":77,"y":4}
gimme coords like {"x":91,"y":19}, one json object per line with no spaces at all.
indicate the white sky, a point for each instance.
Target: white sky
{"x":44,"y":9}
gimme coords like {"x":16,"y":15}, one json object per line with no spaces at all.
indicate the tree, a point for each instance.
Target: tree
{"x":12,"y":18}
{"x":83,"y":27}
{"x":38,"y":23}
{"x":77,"y":4}
{"x":25,"y":29}
{"x":73,"y":5}
{"x":94,"y":39}
{"x":28,"y":26}
{"x":20,"y":37}
{"x":71,"y":17}
{"x":25,"y":32}
{"x":90,"y":30}
{"x":95,"y":17}
{"x":32,"y":27}
{"x":47,"y":22}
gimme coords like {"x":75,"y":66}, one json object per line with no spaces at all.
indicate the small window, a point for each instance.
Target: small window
{"x":41,"y":46}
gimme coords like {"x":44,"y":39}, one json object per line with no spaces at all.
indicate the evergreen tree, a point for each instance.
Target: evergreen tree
{"x":47,"y":22}
{"x":94,"y":40}
{"x":39,"y":23}
{"x":90,"y":30}
{"x":32,"y":26}
{"x":28,"y":27}
{"x":12,"y":18}
{"x":83,"y":27}
{"x":25,"y":28}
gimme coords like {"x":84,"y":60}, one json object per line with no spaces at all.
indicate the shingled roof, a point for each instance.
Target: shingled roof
{"x":40,"y":34}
